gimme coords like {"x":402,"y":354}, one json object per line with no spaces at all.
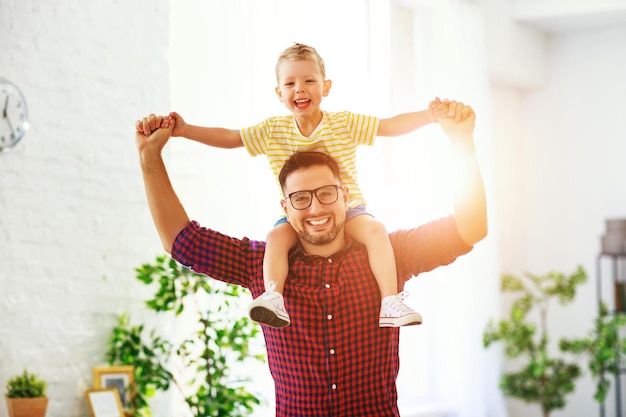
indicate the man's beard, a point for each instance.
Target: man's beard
{"x":322,"y":239}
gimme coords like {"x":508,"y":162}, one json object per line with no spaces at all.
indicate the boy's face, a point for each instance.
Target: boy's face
{"x":301,"y":87}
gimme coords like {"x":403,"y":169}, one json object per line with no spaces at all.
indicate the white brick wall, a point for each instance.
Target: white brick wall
{"x":73,"y":217}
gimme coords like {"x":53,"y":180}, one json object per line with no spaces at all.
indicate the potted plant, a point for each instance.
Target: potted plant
{"x":544,"y":378}
{"x":604,"y":348}
{"x":199,"y":365}
{"x":26,"y":396}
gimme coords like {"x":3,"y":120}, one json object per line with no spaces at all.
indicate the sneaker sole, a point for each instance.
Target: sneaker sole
{"x":408,"y":320}
{"x":265,"y":316}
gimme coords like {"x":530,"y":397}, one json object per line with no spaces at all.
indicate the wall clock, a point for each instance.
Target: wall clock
{"x":13,"y":115}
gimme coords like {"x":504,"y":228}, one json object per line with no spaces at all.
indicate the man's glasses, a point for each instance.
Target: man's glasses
{"x":301,"y":200}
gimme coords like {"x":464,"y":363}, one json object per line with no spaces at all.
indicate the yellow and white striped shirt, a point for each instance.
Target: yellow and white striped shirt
{"x":338,"y":134}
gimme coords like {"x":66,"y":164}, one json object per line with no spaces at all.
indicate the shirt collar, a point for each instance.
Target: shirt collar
{"x":298,"y":252}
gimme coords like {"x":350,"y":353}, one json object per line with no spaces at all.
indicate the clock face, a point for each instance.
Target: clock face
{"x":13,"y":115}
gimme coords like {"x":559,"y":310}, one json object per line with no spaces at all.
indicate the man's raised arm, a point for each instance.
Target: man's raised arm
{"x":470,"y":207}
{"x":168,"y":214}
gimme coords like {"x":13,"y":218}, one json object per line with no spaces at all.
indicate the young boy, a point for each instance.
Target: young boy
{"x":302,"y":84}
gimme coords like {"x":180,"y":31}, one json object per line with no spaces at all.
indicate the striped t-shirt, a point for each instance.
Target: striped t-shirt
{"x":338,"y":135}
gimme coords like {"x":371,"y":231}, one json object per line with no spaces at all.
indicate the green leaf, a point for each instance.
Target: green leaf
{"x":26,"y":385}
{"x":206,"y":354}
{"x":543,"y":377}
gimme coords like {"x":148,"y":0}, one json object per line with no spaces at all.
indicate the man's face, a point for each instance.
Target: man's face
{"x":319,"y":224}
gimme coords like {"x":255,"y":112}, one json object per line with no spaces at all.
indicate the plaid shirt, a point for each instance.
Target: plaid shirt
{"x":333,"y":360}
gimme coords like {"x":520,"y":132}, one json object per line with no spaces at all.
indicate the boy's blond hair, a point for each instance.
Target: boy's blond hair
{"x":300,"y":52}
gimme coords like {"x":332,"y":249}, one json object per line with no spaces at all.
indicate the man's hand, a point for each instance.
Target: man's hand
{"x":149,"y":124}
{"x":149,"y":136}
{"x":456,"y":119}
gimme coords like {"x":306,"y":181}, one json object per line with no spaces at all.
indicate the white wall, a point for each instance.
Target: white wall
{"x":73,"y":217}
{"x":561,"y":154}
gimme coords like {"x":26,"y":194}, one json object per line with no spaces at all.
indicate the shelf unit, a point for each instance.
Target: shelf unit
{"x":617,"y":274}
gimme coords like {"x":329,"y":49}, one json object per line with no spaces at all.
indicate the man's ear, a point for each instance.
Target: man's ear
{"x":327,"y":85}
{"x":279,"y":94}
{"x":345,"y":192}
{"x":283,"y":204}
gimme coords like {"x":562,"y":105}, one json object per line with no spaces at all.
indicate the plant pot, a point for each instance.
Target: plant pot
{"x":27,"y":407}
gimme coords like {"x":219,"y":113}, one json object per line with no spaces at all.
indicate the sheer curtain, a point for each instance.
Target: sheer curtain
{"x":384,"y":57}
{"x":435,"y":49}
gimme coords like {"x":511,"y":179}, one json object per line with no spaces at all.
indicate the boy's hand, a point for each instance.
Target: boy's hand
{"x":177,"y":122}
{"x":432,"y":109}
{"x":173,"y":120}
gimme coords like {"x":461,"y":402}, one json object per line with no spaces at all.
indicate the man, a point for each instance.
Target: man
{"x":334,"y":359}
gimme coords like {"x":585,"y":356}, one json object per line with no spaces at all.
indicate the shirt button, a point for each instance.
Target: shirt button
{"x":334,"y":386}
{"x":329,"y":317}
{"x":332,"y":351}
{"x":327,"y":285}
{"x":330,"y":261}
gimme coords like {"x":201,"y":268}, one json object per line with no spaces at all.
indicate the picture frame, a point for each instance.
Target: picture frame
{"x":104,"y":402}
{"x":121,"y":378}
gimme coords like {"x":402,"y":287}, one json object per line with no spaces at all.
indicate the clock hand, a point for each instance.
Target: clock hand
{"x":9,"y":122}
{"x":6,"y":105}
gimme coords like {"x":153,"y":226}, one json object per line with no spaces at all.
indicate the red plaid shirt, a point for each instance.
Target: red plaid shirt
{"x":334,"y":359}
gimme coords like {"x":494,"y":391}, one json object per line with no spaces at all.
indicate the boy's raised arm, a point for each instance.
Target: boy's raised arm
{"x":213,"y":136}
{"x":404,"y":123}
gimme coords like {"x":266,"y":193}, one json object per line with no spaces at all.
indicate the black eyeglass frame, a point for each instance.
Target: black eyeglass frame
{"x":314,"y":193}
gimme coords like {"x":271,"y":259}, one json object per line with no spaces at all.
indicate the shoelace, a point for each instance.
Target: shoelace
{"x":270,"y":290}
{"x":398,"y":304}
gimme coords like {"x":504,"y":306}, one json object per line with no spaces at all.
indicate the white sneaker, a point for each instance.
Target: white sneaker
{"x":394,"y":313}
{"x":269,"y":308}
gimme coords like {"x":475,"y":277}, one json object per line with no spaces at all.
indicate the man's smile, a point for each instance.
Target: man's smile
{"x":319,"y":222}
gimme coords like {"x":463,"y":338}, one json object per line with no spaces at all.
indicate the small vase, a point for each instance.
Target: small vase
{"x":27,"y":407}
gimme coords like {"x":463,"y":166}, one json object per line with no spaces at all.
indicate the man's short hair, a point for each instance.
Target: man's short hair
{"x":302,"y":160}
